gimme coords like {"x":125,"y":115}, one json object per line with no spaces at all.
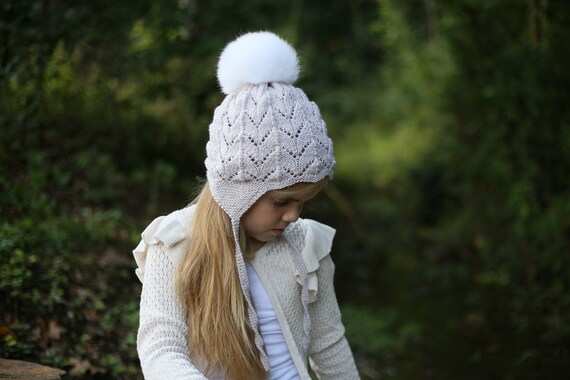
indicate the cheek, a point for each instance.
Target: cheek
{"x":267,"y":220}
{"x":259,"y":220}
{"x":269,"y":217}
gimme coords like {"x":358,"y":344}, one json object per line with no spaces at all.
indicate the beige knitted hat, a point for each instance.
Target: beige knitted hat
{"x":265,"y":135}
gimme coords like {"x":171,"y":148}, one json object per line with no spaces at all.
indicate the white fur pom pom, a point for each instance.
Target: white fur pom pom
{"x":254,"y":58}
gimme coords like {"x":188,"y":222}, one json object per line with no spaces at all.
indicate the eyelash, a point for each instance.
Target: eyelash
{"x":280,"y":203}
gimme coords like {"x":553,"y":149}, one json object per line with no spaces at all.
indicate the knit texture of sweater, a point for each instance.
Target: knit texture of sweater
{"x":163,"y":331}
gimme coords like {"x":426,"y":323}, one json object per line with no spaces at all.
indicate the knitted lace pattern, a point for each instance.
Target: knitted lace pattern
{"x":265,"y":137}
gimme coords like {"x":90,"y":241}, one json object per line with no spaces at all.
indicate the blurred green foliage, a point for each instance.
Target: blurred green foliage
{"x":377,"y":337}
{"x":451,"y":195}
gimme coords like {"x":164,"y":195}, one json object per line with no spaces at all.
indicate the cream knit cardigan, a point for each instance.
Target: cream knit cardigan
{"x":162,"y":335}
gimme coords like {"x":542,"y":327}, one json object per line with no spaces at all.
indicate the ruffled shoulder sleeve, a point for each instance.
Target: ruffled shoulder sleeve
{"x":317,"y":245}
{"x":170,"y":230}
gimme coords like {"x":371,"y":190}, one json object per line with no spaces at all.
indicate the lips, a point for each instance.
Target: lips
{"x":278,"y":231}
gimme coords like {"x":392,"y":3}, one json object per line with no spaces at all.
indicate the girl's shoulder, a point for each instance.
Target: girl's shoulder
{"x":319,"y":236}
{"x":315,"y":240}
{"x":170,"y":230}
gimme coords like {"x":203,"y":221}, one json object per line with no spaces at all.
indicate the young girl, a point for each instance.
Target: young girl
{"x":236,"y":286}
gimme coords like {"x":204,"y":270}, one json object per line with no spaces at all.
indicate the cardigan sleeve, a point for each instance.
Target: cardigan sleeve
{"x":330,"y":355}
{"x":161,"y":338}
{"x":162,"y":334}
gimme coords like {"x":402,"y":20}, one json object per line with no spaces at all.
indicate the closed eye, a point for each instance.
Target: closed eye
{"x":280,"y":202}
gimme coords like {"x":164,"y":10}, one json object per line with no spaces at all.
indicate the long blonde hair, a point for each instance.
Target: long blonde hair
{"x":209,"y":287}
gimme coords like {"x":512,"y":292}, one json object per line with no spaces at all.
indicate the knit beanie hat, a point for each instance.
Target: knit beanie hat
{"x":265,"y":135}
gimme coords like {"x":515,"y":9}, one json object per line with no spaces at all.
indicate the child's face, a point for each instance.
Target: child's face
{"x":274,"y":211}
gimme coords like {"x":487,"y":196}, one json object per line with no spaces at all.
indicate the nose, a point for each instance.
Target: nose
{"x":292,"y":214}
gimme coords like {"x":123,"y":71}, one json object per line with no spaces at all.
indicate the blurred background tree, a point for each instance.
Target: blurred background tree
{"x":451,"y":195}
